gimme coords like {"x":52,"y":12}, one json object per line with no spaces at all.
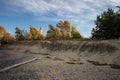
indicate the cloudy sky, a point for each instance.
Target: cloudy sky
{"x":41,"y":13}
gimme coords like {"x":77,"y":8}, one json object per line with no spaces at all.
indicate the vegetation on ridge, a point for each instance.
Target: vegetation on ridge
{"x":107,"y":27}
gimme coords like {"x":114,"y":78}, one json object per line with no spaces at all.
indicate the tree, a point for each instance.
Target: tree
{"x":35,"y":34}
{"x":28,"y":36}
{"x":54,"y":33}
{"x":51,"y":32}
{"x":75,"y":33}
{"x":5,"y":36}
{"x":2,"y":33}
{"x":19,"y":34}
{"x":65,"y":28}
{"x":107,"y":25}
{"x":58,"y":33}
{"x":118,"y":7}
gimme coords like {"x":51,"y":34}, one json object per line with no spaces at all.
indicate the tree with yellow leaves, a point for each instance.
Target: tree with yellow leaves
{"x":28,"y":36}
{"x":51,"y":32}
{"x":5,"y":36}
{"x":2,"y":33}
{"x":54,"y":33}
{"x":58,"y":33}
{"x":75,"y":33}
{"x":35,"y":34}
{"x":65,"y":28}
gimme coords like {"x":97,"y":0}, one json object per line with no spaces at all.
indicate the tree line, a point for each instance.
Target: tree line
{"x":107,"y":27}
{"x":62,"y":31}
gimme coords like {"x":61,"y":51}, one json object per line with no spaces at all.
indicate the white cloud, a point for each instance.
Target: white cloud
{"x":115,"y":2}
{"x":62,"y":7}
{"x":77,"y":11}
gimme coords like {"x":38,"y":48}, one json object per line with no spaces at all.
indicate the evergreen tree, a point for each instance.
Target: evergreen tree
{"x":107,"y":25}
{"x":19,"y":34}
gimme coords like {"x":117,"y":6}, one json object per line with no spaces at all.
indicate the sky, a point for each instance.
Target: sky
{"x":41,"y":13}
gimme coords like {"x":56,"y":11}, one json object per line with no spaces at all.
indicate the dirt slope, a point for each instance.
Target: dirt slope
{"x":62,"y":60}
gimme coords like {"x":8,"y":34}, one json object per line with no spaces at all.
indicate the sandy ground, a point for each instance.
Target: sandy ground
{"x":59,"y":65}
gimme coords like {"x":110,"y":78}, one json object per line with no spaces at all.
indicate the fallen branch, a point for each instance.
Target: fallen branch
{"x":15,"y":65}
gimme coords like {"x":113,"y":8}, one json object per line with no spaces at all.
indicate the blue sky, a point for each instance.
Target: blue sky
{"x":41,"y":13}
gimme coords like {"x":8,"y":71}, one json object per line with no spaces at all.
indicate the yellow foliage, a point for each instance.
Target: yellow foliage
{"x":35,"y":33}
{"x":4,"y":36}
{"x":58,"y":33}
{"x":51,"y":33}
{"x":65,"y":28}
{"x":54,"y":33}
{"x":75,"y":33}
{"x":28,"y":36}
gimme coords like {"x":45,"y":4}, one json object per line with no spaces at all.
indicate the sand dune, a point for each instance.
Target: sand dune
{"x":62,"y":60}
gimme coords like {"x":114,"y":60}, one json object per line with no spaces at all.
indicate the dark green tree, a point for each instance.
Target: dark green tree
{"x":107,"y":25}
{"x":19,"y":34}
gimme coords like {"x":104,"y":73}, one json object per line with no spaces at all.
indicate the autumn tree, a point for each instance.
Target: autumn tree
{"x":2,"y":32}
{"x":58,"y":33}
{"x":35,"y":34}
{"x":62,"y":31}
{"x":19,"y":34}
{"x":5,"y":36}
{"x":75,"y":33}
{"x":54,"y":33}
{"x":65,"y":28}
{"x":51,"y":32}
{"x":28,"y":36}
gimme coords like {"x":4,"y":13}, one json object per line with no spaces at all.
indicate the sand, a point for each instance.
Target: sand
{"x":62,"y":60}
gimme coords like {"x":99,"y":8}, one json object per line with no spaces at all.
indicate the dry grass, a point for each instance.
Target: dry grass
{"x":98,"y":47}
{"x":63,"y":45}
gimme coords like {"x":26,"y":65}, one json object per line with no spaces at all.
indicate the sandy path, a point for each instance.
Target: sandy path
{"x":51,"y":68}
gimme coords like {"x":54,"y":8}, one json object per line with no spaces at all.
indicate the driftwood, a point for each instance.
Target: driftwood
{"x":16,"y":65}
